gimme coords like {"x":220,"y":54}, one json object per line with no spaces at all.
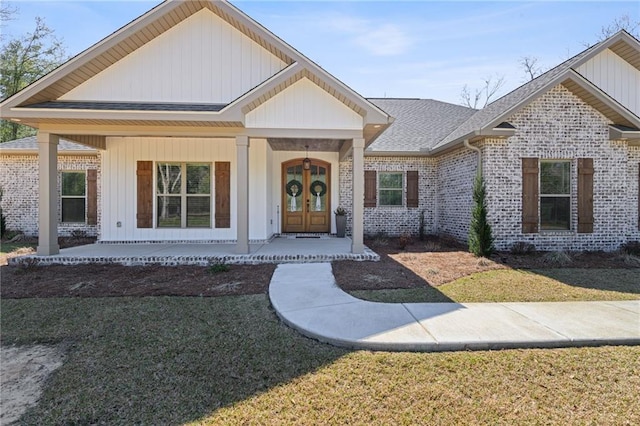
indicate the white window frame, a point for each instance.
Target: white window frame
{"x":401,"y":189}
{"x":63,"y":197}
{"x":568,"y":195}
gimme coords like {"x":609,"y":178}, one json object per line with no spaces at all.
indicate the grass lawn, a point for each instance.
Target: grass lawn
{"x":6,"y":248}
{"x":229,"y":360}
{"x":514,"y":285}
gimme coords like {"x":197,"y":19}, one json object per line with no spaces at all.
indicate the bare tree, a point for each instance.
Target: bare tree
{"x":531,"y":67}
{"x":6,"y":12}
{"x":622,"y":23}
{"x":481,"y":97}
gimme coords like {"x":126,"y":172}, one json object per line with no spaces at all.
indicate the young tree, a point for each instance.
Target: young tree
{"x":481,"y":97}
{"x":22,"y":61}
{"x":480,"y":234}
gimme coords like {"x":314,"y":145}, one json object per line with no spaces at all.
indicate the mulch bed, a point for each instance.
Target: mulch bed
{"x":420,"y":263}
{"x":118,"y":280}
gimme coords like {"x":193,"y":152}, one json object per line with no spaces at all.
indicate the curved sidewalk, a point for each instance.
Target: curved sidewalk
{"x":307,"y":298}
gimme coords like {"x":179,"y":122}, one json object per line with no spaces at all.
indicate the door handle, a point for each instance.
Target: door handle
{"x":308,"y":205}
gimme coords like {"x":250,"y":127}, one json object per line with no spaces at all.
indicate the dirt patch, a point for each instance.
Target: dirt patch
{"x":438,"y":261}
{"x":24,"y":370}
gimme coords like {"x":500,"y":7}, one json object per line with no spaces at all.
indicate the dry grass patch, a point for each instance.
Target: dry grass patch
{"x":229,"y":361}
{"x":449,"y":265}
{"x":549,"y":285}
{"x":568,"y":386}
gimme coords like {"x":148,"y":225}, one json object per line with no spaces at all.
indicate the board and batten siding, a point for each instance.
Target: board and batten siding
{"x":304,"y":105}
{"x":615,"y":76}
{"x":202,"y":59}
{"x":119,"y":196}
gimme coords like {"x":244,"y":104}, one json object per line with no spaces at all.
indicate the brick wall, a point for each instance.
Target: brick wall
{"x":456,"y":173}
{"x":19,"y":180}
{"x":396,"y":220}
{"x":633,"y":164}
{"x":559,"y":125}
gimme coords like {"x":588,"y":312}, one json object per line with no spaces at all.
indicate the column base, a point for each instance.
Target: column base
{"x":48,"y":250}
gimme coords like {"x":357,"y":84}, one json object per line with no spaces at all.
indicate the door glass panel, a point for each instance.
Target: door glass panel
{"x":293,"y":188}
{"x":318,"y":189}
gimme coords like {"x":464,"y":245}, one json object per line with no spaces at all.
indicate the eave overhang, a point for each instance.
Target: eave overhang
{"x":632,"y":135}
{"x":501,"y":131}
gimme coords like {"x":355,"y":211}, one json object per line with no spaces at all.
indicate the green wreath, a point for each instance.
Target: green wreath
{"x":291,"y":184}
{"x":313,"y":188}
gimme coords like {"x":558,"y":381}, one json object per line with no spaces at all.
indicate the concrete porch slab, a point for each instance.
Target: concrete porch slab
{"x":278,"y":250}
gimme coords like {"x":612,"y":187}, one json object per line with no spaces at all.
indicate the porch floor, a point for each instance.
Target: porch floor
{"x":279,"y":250}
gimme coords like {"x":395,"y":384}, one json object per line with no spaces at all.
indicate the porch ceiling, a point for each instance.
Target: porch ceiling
{"x":314,"y":145}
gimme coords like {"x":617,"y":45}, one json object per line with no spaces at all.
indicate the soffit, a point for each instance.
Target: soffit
{"x":591,"y":97}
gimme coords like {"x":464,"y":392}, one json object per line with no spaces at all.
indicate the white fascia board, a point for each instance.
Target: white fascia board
{"x":93,"y":114}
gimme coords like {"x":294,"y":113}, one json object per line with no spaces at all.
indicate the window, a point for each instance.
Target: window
{"x":555,"y":195}
{"x":183,"y":195}
{"x":390,"y":189}
{"x":74,"y":197}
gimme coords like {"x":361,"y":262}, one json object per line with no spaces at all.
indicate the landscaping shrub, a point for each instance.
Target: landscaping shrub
{"x":558,"y":258}
{"x":480,"y":234}
{"x":522,"y":247}
{"x":632,"y":248}
{"x":404,"y":240}
{"x":218,"y":266}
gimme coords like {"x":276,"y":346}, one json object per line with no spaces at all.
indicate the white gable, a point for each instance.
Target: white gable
{"x":303,"y":105}
{"x":203,"y":59}
{"x":616,"y":77}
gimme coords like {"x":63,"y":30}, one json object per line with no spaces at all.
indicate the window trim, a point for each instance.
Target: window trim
{"x":400,"y":189}
{"x":542,"y":195}
{"x":83,"y":197}
{"x":183,"y":195}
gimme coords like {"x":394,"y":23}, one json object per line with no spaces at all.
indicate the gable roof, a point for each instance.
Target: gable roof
{"x":29,"y":145}
{"x":498,"y":111}
{"x":136,"y":34}
{"x":419,"y":124}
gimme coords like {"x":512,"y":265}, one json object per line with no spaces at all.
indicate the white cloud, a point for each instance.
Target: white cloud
{"x":386,"y":40}
{"x":376,"y":38}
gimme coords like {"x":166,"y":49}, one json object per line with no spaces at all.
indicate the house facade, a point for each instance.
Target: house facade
{"x":203,"y":126}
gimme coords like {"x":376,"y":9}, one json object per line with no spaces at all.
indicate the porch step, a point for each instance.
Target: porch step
{"x":311,"y":235}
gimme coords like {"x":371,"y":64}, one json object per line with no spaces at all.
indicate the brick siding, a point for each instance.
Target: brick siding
{"x":394,"y":220}
{"x":19,"y":180}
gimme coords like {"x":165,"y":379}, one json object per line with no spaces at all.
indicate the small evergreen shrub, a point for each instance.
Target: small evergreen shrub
{"x":218,"y":266}
{"x":480,"y":234}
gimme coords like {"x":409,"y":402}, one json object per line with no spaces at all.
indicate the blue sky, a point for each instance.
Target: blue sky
{"x":423,"y":49}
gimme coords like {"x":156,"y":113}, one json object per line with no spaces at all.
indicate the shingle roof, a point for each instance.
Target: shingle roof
{"x":129,"y":106}
{"x":30,"y":143}
{"x":501,"y":106}
{"x":419,"y":123}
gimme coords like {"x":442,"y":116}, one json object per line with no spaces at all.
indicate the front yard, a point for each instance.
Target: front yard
{"x":191,"y":345}
{"x":229,"y":360}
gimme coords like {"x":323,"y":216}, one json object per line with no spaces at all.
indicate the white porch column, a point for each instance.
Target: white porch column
{"x":357,"y":228}
{"x":242,"y":192}
{"x":48,"y":194}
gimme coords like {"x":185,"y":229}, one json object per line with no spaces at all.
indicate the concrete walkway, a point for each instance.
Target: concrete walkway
{"x":306,"y":297}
